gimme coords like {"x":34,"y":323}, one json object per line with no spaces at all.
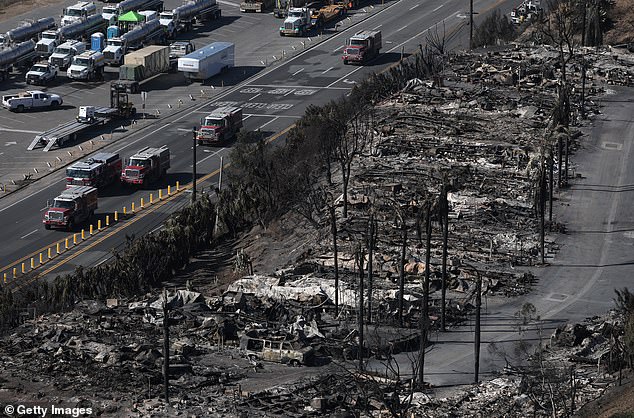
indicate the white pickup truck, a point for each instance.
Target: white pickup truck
{"x":30,"y":99}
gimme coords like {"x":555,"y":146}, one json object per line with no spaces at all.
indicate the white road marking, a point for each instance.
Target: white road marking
{"x":377,"y":27}
{"x":259,"y":94}
{"x":289,"y":92}
{"x":298,"y":71}
{"x":262,"y":115}
{"x":344,"y":77}
{"x":30,"y":233}
{"x":437,"y":8}
{"x":339,"y":47}
{"x":275,"y":86}
{"x":228,"y":3}
{"x":272,"y":120}
{"x":158,"y":227}
{"x":326,"y":70}
{"x":211,"y":155}
{"x":404,"y":27}
{"x":414,"y":6}
{"x":20,"y":131}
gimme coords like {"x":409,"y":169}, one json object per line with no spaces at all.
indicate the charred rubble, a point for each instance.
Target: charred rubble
{"x":482,"y":131}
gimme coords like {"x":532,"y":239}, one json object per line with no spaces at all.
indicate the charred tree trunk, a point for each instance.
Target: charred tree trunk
{"x":333,"y":220}
{"x":401,"y":276}
{"x":424,"y":317}
{"x":477,"y":326}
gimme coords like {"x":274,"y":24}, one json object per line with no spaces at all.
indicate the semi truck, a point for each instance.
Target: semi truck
{"x":99,"y":171}
{"x":78,"y":12}
{"x":112,"y":12}
{"x":72,"y":207}
{"x":297,"y":23}
{"x":87,"y":66}
{"x":182,"y":18}
{"x":16,"y":58}
{"x":178,"y":50}
{"x":362,"y":47}
{"x":146,"y":166}
{"x":26,"y":31}
{"x":50,"y":39}
{"x":30,"y":100}
{"x":143,"y":64}
{"x":41,"y":73}
{"x":207,"y":61}
{"x":257,"y":6}
{"x":146,"y":34}
{"x":63,"y":55}
{"x":219,"y":126}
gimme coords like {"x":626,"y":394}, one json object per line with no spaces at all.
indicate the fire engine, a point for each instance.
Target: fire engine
{"x":146,"y":166}
{"x":72,"y":207}
{"x":98,"y":171}
{"x":219,"y":126}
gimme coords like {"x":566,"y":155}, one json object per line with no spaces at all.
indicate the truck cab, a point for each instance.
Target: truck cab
{"x":78,"y":12}
{"x":362,"y":47}
{"x":219,"y":126}
{"x":73,"y":206}
{"x":147,"y":165}
{"x":63,"y":54}
{"x":87,"y":66}
{"x":297,"y":23}
{"x":113,"y":52}
{"x":97,"y":171}
{"x":41,"y":73}
{"x":49,"y":39}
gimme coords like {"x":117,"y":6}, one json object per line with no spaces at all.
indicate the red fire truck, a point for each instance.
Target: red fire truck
{"x":146,"y":166}
{"x":98,"y":171}
{"x":362,"y":47}
{"x":72,"y":207}
{"x":219,"y":126}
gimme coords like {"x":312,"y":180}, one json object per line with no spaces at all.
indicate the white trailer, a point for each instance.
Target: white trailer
{"x":207,"y":61}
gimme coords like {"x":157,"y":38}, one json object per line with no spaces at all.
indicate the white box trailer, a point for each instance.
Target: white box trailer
{"x":207,"y":61}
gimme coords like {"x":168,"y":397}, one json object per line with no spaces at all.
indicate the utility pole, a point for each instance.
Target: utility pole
{"x":360,"y":257}
{"x":424,"y":316}
{"x":194,"y":165}
{"x":476,"y":348}
{"x":470,"y":24}
{"x":401,"y":274}
{"x":333,"y":220}
{"x":166,"y":347}
{"x":444,"y":219}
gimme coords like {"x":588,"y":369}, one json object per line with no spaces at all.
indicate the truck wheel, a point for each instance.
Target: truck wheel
{"x":294,"y":363}
{"x":345,"y":62}
{"x":54,"y":103}
{"x":20,"y":108}
{"x":281,"y":33}
{"x":71,"y":225}
{"x":47,"y":226}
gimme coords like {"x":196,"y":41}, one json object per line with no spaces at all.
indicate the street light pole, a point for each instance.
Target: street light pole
{"x":194,"y":165}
